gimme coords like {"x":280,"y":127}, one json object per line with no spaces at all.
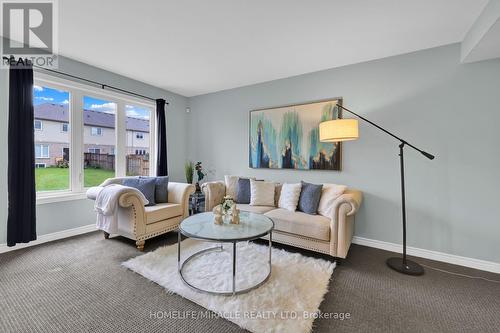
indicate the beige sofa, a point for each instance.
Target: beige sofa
{"x":139,"y":223}
{"x":328,"y":235}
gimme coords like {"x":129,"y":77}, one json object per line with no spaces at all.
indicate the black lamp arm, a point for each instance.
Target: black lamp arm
{"x":404,"y":142}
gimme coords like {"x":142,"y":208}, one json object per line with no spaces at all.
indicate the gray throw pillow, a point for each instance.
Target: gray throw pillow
{"x":161,"y":188}
{"x":309,"y":198}
{"x":145,"y":185}
{"x":243,"y":191}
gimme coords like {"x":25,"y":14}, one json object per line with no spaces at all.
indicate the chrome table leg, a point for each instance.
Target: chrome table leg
{"x":234,"y":268}
{"x":178,"y":250}
{"x":270,"y":249}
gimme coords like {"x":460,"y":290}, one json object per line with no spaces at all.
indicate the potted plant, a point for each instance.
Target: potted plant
{"x":189,"y":171}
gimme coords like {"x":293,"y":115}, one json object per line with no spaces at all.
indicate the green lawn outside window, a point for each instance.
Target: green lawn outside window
{"x":54,"y":179}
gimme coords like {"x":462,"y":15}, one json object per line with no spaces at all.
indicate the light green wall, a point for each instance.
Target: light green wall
{"x":71,"y":214}
{"x":428,"y":97}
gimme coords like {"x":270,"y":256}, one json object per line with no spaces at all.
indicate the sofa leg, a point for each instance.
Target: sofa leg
{"x":106,"y":235}
{"x":140,"y":245}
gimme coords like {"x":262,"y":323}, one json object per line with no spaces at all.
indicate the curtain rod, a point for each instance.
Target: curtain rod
{"x":102,"y":85}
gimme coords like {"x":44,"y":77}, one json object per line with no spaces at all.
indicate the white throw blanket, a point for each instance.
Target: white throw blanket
{"x":106,"y":204}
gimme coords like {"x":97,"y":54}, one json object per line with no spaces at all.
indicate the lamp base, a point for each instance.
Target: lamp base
{"x":411,"y":267}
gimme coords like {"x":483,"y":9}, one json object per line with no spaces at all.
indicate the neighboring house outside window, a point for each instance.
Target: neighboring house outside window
{"x":95,"y":150}
{"x":38,"y":125}
{"x":96,"y":131}
{"x":139,"y":135}
{"x":41,"y":151}
{"x":65,"y":127}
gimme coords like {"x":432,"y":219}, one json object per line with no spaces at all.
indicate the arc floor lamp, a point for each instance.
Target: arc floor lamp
{"x":346,"y":130}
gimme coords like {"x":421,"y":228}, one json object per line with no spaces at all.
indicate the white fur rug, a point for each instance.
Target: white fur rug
{"x":285,"y":303}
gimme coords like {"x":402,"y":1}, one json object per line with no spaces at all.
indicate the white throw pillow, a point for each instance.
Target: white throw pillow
{"x":261,"y":193}
{"x":329,"y":194}
{"x":289,"y":197}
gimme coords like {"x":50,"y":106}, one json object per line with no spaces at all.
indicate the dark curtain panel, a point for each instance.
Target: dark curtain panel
{"x":21,"y":227}
{"x":161,"y":164}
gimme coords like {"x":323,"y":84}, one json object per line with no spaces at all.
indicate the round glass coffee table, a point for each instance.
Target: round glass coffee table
{"x":202,"y":227}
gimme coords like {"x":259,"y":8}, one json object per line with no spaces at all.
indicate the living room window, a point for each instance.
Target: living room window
{"x":88,"y":135}
{"x":99,"y":163}
{"x":139,"y":140}
{"x":52,"y":144}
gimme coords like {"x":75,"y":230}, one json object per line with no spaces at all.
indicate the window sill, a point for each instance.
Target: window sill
{"x":42,"y":199}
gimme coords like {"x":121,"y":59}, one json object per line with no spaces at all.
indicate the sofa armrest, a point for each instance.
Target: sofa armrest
{"x":135,"y":202}
{"x":342,"y":225}
{"x":352,"y":198}
{"x":179,"y":193}
{"x":214,"y":194}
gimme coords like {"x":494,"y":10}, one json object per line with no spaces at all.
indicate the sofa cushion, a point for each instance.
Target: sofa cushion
{"x":231,"y":185}
{"x":262,"y":193}
{"x":161,"y":188}
{"x":309,"y":198}
{"x":289,"y":197}
{"x":254,"y":209}
{"x":145,"y":185}
{"x":298,"y":223}
{"x":243,"y":191}
{"x":329,"y":194}
{"x":277,"y":193}
{"x":162,"y":211}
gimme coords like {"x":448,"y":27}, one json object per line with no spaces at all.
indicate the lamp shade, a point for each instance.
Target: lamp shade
{"x":338,"y":130}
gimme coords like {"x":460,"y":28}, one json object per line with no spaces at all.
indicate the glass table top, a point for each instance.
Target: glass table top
{"x":202,"y":226}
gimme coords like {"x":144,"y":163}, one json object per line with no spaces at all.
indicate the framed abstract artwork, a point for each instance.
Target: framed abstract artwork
{"x":287,"y":137}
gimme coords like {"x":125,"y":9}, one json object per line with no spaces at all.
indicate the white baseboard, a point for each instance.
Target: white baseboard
{"x":50,"y":237}
{"x":428,"y":254}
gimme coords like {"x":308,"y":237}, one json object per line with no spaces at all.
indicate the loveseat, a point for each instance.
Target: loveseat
{"x":329,"y":235}
{"x":139,"y":222}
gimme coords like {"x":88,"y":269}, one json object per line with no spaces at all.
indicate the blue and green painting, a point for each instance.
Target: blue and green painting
{"x":288,"y":137}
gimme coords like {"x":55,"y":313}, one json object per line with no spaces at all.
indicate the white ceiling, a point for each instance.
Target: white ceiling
{"x":193,"y":47}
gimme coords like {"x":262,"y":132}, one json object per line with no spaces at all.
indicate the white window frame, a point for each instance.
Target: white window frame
{"x":41,"y":151}
{"x":77,"y":92}
{"x":41,"y":125}
{"x":98,"y":131}
{"x":41,"y":167}
{"x":67,"y":127}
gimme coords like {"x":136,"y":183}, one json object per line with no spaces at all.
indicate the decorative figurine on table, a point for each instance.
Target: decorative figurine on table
{"x":217,"y":214}
{"x":235,"y":215}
